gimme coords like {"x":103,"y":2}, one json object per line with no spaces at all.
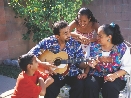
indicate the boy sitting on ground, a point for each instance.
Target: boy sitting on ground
{"x":26,"y":85}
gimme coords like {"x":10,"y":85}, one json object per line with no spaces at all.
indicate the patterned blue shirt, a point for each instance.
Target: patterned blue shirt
{"x":72,"y":48}
{"x":103,"y":69}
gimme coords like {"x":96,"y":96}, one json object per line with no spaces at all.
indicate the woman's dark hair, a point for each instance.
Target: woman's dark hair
{"x":113,"y":30}
{"x":24,"y":60}
{"x":88,"y":13}
{"x":58,"y":26}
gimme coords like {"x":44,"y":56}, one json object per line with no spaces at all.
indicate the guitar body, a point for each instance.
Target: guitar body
{"x":48,"y":56}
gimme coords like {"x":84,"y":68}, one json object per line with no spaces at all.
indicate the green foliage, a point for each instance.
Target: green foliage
{"x":10,"y":71}
{"x":40,"y":14}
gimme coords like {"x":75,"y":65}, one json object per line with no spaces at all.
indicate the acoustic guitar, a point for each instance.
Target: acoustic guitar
{"x":61,"y":61}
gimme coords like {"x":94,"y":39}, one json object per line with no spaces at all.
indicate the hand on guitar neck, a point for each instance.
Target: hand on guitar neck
{"x":105,"y":59}
{"x":93,"y":62}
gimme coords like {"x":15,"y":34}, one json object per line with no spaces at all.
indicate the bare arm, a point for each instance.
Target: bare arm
{"x":86,"y":70}
{"x":112,"y":77}
{"x":84,"y":75}
{"x":120,"y":73}
{"x":72,"y":25}
{"x":83,"y":65}
{"x":42,"y":85}
{"x":96,"y":26}
{"x":46,"y":66}
{"x":49,"y":81}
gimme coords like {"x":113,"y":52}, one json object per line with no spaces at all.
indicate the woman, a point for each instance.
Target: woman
{"x":85,"y":26}
{"x":108,"y":77}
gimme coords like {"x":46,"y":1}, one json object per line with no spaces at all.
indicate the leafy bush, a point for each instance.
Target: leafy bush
{"x":40,"y":14}
{"x":10,"y":71}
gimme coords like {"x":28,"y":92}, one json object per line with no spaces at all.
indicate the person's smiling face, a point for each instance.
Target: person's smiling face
{"x":64,"y":34}
{"x":83,"y":21}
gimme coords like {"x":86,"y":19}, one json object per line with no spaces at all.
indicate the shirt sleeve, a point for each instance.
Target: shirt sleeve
{"x":79,"y":53}
{"x":37,"y":49}
{"x":126,"y":61}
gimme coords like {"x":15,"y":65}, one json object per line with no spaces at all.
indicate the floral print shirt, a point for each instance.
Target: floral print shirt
{"x":72,"y":48}
{"x":103,"y":69}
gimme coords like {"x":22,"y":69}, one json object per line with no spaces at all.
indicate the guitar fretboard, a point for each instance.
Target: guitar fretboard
{"x":73,"y":61}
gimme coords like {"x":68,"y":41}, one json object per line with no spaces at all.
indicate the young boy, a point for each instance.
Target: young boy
{"x":26,"y":85}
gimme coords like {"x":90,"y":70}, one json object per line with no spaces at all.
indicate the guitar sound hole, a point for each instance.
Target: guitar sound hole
{"x":57,"y":62}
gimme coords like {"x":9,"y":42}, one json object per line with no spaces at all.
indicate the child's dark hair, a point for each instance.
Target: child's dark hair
{"x":58,"y":26}
{"x":24,"y":60}
{"x":113,"y":30}
{"x":88,"y":13}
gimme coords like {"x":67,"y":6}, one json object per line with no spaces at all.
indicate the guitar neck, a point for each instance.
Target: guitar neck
{"x":72,"y":61}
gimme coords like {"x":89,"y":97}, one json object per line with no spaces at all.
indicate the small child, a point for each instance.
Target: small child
{"x":26,"y":85}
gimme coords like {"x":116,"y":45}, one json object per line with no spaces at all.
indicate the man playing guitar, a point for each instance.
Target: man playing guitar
{"x":62,"y":41}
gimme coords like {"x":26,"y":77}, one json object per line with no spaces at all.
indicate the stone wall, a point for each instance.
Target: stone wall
{"x":118,"y":11}
{"x":11,"y":29}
